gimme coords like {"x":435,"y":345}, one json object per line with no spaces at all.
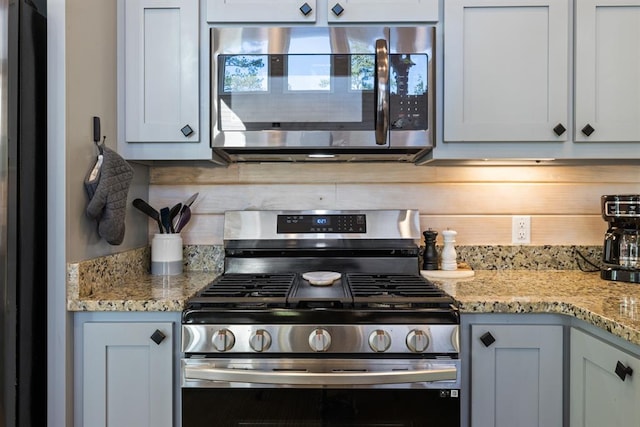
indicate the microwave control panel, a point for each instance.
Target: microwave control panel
{"x":408,"y":112}
{"x":409,"y":91}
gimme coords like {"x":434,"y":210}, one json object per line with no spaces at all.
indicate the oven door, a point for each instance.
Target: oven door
{"x":320,"y":392}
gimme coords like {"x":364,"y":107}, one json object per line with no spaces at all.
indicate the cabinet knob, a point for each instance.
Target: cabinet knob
{"x":588,"y":130}
{"x":487,"y":339}
{"x":337,"y":9}
{"x":622,"y":371}
{"x":157,"y":337}
{"x":559,"y":129}
{"x":186,"y":130}
{"x":306,"y":9}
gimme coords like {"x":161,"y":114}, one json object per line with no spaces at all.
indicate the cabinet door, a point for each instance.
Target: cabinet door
{"x":161,"y":71}
{"x":127,"y":376}
{"x":382,"y":11}
{"x":261,"y":11}
{"x":506,"y":70}
{"x":516,"y":380}
{"x":598,"y":396}
{"x":607,"y":70}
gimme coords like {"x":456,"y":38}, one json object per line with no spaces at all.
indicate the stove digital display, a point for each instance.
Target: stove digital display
{"x":321,"y":221}
{"x":352,"y":223}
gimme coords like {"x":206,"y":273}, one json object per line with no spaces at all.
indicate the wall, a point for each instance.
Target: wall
{"x":91,"y":91}
{"x":476,"y":201}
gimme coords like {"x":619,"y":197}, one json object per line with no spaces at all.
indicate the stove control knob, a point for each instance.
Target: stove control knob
{"x":319,"y":340}
{"x":260,"y":340}
{"x":417,"y":341}
{"x":379,"y":341}
{"x":223,"y":340}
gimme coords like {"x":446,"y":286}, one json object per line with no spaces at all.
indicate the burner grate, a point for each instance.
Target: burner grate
{"x":247,"y":289}
{"x":396,"y":289}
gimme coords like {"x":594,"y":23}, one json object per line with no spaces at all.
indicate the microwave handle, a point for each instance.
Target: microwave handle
{"x":382,"y":91}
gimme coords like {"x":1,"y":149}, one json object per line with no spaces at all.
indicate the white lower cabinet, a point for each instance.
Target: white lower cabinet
{"x":605,"y":388}
{"x":516,"y":375}
{"x":126,"y":373}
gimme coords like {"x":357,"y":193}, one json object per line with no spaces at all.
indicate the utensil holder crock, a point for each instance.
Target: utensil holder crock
{"x":166,"y":254}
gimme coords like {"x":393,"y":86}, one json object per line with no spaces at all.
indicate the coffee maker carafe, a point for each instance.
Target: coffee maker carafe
{"x":622,"y":240}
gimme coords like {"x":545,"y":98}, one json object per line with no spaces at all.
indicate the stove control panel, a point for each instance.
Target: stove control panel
{"x":330,"y":223}
{"x":301,"y":338}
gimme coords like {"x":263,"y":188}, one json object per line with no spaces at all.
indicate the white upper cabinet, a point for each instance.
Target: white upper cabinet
{"x":158,"y":45}
{"x":607,"y":70}
{"x":382,"y":11}
{"x":294,"y":11}
{"x":506,"y":69}
{"x":336,"y":11}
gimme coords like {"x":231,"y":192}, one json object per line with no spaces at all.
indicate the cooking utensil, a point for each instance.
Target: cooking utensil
{"x":164,"y":217}
{"x":187,"y":204}
{"x":191,"y":199}
{"x":175,"y":209}
{"x":145,"y":208}
{"x":184,"y":218}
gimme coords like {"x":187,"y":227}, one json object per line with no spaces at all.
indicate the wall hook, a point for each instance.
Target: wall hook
{"x":96,"y":134}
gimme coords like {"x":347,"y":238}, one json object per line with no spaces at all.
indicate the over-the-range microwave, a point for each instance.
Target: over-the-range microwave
{"x":322,"y":93}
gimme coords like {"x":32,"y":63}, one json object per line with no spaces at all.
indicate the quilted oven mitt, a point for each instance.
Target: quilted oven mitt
{"x":107,"y":188}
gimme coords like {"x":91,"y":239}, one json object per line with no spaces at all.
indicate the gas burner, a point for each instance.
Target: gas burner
{"x":290,"y":290}
{"x":395,"y":291}
{"x":247,"y":290}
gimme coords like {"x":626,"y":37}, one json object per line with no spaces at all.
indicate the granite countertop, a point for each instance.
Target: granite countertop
{"x":142,"y":293}
{"x":611,"y":306}
{"x":539,"y":280}
{"x":122,"y":282}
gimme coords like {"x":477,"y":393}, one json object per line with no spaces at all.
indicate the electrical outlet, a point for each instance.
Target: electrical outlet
{"x":520,"y":230}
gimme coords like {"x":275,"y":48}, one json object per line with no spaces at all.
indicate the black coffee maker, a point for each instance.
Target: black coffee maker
{"x":622,"y":240}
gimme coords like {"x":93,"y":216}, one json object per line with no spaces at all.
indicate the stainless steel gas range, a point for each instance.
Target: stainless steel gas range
{"x":321,"y":319}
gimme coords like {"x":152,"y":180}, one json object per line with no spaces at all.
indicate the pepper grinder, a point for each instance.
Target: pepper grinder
{"x":449,"y":254}
{"x":430,"y":258}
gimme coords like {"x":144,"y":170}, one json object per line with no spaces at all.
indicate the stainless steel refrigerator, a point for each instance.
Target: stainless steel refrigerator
{"x":23,"y":213}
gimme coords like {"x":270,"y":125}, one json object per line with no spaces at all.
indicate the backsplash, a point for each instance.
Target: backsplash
{"x":563,"y":202}
{"x":113,"y":270}
{"x":530,"y":257}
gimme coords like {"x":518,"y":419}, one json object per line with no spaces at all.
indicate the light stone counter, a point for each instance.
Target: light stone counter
{"x":121,"y":283}
{"x":143,"y":293}
{"x":611,"y":306}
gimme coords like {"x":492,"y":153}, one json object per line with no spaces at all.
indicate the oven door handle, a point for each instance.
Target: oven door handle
{"x":382,"y":91}
{"x":318,"y":378}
